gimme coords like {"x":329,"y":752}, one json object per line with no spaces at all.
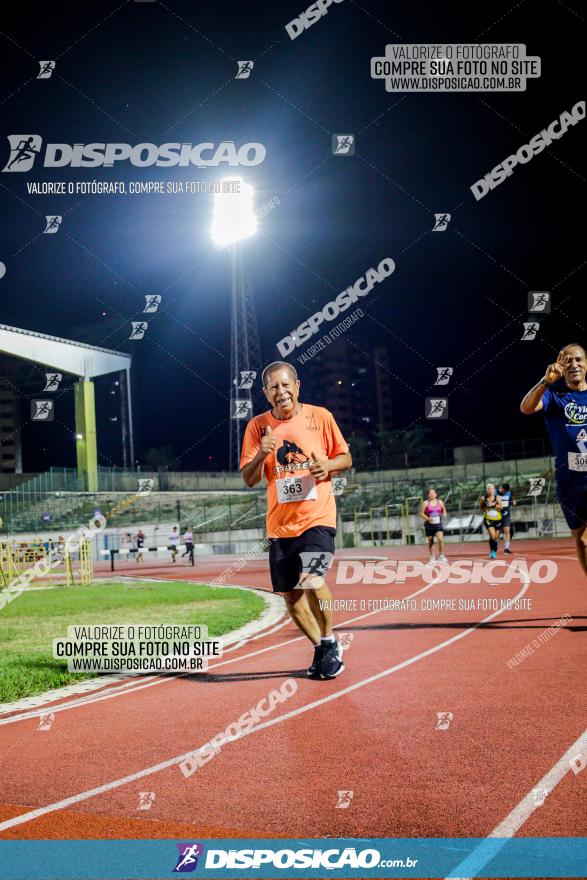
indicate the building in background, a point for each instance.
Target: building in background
{"x":13,"y":375}
{"x":352,"y":380}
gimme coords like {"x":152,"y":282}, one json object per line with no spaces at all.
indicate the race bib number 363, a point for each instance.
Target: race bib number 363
{"x":296,"y":489}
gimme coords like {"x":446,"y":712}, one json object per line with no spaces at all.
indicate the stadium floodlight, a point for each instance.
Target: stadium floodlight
{"x":233,"y":221}
{"x":234,"y":216}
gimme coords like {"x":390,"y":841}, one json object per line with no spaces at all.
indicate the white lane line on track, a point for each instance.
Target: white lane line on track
{"x":164,"y":765}
{"x":120,"y":692}
{"x":574,"y":558}
{"x":512,"y":823}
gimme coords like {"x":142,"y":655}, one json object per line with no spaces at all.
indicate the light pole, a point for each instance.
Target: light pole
{"x":234,"y":220}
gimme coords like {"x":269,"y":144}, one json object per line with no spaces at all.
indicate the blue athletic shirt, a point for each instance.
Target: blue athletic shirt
{"x":565,"y":412}
{"x":505,"y":498}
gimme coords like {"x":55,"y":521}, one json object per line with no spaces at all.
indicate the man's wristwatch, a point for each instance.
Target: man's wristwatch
{"x":543,"y":382}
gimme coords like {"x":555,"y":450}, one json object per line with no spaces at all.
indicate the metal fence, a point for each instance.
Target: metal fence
{"x":374,"y":503}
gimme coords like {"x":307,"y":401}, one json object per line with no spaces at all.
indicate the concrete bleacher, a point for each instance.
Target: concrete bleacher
{"x":230,"y":517}
{"x":68,"y":510}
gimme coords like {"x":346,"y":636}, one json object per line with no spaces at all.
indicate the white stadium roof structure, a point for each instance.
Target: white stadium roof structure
{"x":77,"y":358}
{"x":87,"y":362}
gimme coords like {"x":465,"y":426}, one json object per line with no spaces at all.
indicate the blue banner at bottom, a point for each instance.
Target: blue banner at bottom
{"x":313,"y":857}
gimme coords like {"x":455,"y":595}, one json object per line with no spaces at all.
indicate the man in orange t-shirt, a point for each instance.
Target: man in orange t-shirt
{"x":296,"y":447}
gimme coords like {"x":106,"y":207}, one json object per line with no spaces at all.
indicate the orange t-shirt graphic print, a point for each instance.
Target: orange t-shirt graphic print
{"x":295,"y":501}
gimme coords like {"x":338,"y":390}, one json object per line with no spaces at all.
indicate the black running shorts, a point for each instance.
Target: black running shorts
{"x":311,"y":552}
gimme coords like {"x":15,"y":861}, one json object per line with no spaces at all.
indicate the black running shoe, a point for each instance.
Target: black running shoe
{"x":314,"y":669}
{"x":331,"y":664}
{"x":507,"y":550}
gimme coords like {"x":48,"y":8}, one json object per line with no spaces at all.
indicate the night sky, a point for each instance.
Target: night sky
{"x":164,"y":72}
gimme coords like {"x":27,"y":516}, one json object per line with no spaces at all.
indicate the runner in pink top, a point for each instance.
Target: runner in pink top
{"x":432,"y":511}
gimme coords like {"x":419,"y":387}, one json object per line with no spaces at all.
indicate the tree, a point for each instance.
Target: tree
{"x":407,"y":448}
{"x":362,"y":452}
{"x":159,"y":457}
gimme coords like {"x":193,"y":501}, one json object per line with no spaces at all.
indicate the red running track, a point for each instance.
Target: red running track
{"x":371,"y":731}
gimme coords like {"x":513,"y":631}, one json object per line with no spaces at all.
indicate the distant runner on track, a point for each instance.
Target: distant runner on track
{"x":432,"y":510}
{"x":565,"y":411}
{"x":491,"y":506}
{"x":506,"y":497}
{"x":297,"y":447}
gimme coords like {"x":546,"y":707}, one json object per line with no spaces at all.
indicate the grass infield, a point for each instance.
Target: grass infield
{"x":29,"y":624}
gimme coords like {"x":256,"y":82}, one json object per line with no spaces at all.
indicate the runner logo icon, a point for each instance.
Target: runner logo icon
{"x":316,"y":563}
{"x":45,"y":721}
{"x":53,"y":222}
{"x":152,"y":302}
{"x":441,"y":222}
{"x":343,"y":145}
{"x":539,"y":301}
{"x":344,"y":800}
{"x":444,"y":719}
{"x":247,"y":379}
{"x":244,"y":69}
{"x":53,"y":380}
{"x":138,"y":329}
{"x":242,"y":409}
{"x":46,"y":69}
{"x":437,"y":408}
{"x":23,"y":151}
{"x":42,"y":411}
{"x":146,"y":799}
{"x":189,"y":853}
{"x":344,"y":640}
{"x":531,"y":328}
{"x":444,"y":374}
{"x":338,"y":485}
{"x":536,"y":486}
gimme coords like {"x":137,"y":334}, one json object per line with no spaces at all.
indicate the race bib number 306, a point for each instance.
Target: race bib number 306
{"x":296,"y":489}
{"x":578,"y":461}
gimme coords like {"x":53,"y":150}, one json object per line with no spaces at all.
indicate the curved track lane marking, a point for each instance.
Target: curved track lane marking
{"x":170,"y":762}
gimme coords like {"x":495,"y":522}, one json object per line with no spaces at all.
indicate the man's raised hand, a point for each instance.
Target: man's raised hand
{"x":554,"y":372}
{"x":268,"y":441}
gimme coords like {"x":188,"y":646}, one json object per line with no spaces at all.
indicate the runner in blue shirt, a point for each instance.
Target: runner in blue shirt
{"x":565,"y":410}
{"x":506,"y":496}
